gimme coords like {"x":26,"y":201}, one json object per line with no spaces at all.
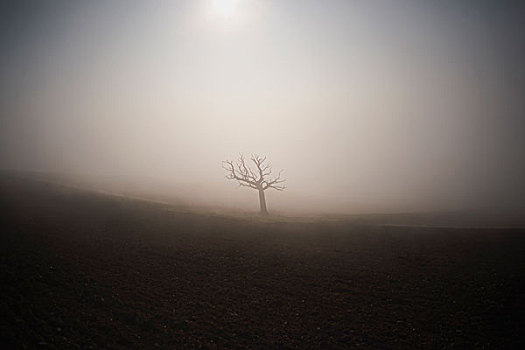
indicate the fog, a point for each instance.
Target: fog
{"x":368,"y":106}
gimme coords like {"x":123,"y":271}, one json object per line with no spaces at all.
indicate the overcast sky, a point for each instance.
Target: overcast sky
{"x":383,"y":105}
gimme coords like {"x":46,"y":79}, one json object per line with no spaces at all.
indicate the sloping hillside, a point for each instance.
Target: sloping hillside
{"x":82,"y":270}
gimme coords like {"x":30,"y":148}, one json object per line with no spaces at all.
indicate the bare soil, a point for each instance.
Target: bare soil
{"x":84,"y":270}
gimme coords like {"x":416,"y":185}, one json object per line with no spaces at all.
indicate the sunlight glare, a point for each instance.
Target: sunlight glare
{"x":226,"y":7}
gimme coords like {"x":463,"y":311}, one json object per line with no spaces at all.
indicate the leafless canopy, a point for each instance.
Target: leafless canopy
{"x":258,"y":178}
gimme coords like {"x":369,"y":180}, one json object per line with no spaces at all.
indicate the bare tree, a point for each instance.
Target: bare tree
{"x":259,"y":178}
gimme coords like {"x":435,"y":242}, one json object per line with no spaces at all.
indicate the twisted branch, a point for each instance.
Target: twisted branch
{"x":258,"y":179}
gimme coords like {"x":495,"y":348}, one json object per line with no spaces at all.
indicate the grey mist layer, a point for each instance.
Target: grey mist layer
{"x":366,"y":105}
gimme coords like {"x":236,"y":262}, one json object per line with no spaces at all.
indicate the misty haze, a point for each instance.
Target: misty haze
{"x":262,"y":174}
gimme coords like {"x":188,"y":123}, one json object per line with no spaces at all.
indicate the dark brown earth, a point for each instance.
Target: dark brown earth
{"x":84,"y":270}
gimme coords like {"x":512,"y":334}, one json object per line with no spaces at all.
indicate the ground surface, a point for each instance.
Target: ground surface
{"x":81,"y":270}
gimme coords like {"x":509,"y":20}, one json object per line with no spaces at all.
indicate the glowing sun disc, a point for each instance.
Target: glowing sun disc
{"x":226,"y":7}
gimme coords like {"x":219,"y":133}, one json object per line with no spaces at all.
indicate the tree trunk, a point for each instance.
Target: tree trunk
{"x":262,"y":202}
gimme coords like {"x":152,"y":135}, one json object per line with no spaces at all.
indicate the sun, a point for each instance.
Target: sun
{"x":225,"y":7}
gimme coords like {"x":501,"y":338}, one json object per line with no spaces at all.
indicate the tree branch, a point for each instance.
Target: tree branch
{"x":247,"y":177}
{"x":275,"y":183}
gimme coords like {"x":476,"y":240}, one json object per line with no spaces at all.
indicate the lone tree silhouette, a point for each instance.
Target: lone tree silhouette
{"x":258,"y":179}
